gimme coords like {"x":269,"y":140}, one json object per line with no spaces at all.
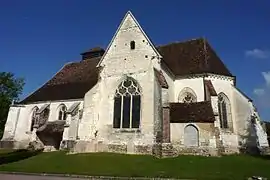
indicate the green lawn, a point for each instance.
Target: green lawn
{"x":2,"y":151}
{"x":108,"y":164}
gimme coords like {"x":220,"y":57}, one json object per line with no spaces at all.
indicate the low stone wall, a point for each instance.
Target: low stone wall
{"x":13,"y":144}
{"x":169,"y":150}
{"x":158,"y":150}
{"x":117,"y":148}
{"x":143,"y":149}
{"x":7,"y":144}
{"x":67,"y":144}
{"x":230,"y":150}
{"x":99,"y":146}
{"x":265,"y":150}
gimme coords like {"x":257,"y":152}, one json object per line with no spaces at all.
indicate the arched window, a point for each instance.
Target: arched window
{"x":187,"y":95}
{"x":62,"y":112}
{"x":191,"y":136}
{"x":33,"y":118}
{"x":127,"y":105}
{"x":132,"y":44}
{"x":224,"y":110}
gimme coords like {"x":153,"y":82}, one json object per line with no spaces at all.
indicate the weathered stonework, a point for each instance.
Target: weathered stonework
{"x":7,"y":144}
{"x":67,"y":145}
{"x":172,"y":150}
{"x":117,"y":148}
{"x":143,"y":149}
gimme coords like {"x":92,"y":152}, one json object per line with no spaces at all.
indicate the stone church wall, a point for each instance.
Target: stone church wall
{"x":118,"y":62}
{"x":103,"y":131}
{"x":18,"y":124}
{"x":229,"y":138}
{"x":206,"y":134}
{"x":196,"y":84}
{"x":170,"y":81}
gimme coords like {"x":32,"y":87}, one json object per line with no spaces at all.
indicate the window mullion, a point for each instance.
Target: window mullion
{"x":220,"y":114}
{"x":130,"y":112}
{"x":221,"y":118}
{"x":121,"y":121}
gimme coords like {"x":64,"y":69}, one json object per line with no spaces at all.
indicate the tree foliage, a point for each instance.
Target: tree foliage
{"x":10,"y":89}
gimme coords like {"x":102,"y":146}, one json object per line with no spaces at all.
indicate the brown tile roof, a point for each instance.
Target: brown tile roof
{"x":192,"y":57}
{"x":210,"y":88}
{"x":75,"y":79}
{"x":191,"y":112}
{"x":161,"y":79}
{"x":71,"y":82}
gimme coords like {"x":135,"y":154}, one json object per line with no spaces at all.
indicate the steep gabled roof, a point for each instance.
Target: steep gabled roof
{"x":192,"y":57}
{"x":75,"y":79}
{"x":191,"y":112}
{"x":72,"y":82}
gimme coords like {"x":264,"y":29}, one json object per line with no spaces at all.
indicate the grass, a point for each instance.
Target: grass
{"x":4,"y":151}
{"x":108,"y":164}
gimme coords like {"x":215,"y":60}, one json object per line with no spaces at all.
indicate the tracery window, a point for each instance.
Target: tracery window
{"x":127,"y":105}
{"x":62,"y":113}
{"x":224,"y":110}
{"x":187,"y":95}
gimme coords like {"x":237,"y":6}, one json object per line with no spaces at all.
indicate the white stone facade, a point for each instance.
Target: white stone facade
{"x":92,"y":128}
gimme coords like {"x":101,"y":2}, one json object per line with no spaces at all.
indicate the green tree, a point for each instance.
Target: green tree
{"x":10,"y":89}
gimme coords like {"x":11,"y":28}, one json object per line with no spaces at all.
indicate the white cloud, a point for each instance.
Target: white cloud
{"x":266,"y":76}
{"x":262,"y":94}
{"x":259,"y":91}
{"x":258,"y":53}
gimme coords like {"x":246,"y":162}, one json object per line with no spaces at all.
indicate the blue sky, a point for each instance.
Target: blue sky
{"x":38,"y":37}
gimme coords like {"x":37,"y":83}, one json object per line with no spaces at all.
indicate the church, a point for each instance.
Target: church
{"x":138,"y":98}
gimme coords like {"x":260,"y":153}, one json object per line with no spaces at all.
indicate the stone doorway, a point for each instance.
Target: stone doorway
{"x":191,"y":136}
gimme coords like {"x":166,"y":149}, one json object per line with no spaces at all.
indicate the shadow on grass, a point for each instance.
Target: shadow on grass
{"x":18,"y":155}
{"x":264,"y":157}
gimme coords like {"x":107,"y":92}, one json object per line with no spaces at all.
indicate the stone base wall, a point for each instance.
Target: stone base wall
{"x":117,"y":148}
{"x":6,"y":144}
{"x":143,"y":149}
{"x":13,"y":144}
{"x":99,"y":146}
{"x":265,"y":150}
{"x":158,"y":150}
{"x":171,"y":150}
{"x":67,"y":144}
{"x":230,"y":150}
